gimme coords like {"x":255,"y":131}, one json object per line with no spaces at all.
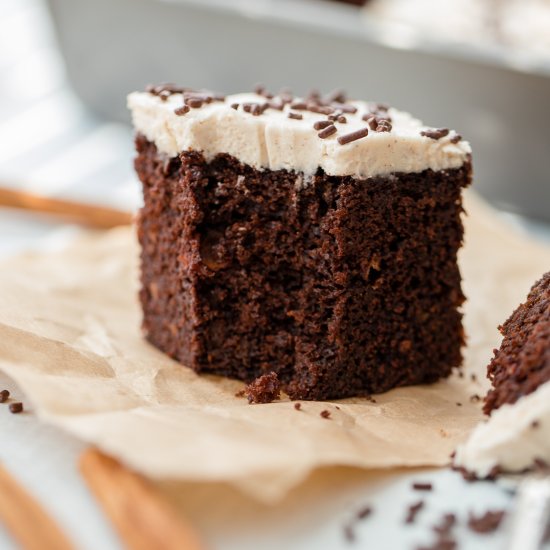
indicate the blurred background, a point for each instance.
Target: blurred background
{"x":66,"y":66}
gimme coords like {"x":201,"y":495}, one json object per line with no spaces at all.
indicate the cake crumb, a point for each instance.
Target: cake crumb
{"x":487,"y":522}
{"x":324,"y":414}
{"x":264,"y":389}
{"x":16,"y":408}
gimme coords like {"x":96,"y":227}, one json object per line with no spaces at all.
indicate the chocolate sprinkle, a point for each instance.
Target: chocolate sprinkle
{"x":298,"y":406}
{"x":194,"y":102}
{"x":324,"y":414}
{"x":298,"y":105}
{"x":349,"y":533}
{"x":413,"y":511}
{"x":4,"y":395}
{"x":234,"y":106}
{"x":342,"y":119}
{"x":487,"y":522}
{"x":421,"y":486}
{"x":321,"y":109}
{"x":535,"y":424}
{"x":436,"y":133}
{"x":320,"y":124}
{"x":371,"y":120}
{"x":328,"y":131}
{"x":353,"y":136}
{"x":364,"y":512}
{"x":295,"y":116}
{"x":180,"y":111}
{"x":16,"y":408}
{"x":384,"y":126}
{"x":445,"y":525}
{"x":456,"y":139}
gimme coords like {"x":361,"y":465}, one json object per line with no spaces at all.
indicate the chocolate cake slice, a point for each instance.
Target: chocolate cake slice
{"x":522,"y":363}
{"x":312,"y":237}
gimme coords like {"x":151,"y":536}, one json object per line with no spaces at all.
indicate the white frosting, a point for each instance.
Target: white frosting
{"x":274,"y":141}
{"x":512,"y":438}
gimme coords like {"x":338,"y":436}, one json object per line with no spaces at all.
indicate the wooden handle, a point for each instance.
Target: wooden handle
{"x":24,"y":518}
{"x":143,"y":519}
{"x":85,"y":214}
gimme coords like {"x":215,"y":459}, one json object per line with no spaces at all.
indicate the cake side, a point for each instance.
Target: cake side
{"x":522,"y":363}
{"x":340,"y":286}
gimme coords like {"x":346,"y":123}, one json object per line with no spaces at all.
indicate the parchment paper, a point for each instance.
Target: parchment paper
{"x":70,"y":336}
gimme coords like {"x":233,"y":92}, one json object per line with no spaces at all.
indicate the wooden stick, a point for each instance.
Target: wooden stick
{"x":25,"y":519}
{"x":142,"y":517}
{"x":85,"y":214}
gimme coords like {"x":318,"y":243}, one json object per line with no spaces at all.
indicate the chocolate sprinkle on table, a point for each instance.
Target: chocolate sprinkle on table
{"x":445,"y":525}
{"x":4,"y":395}
{"x":353,"y":136}
{"x":295,"y":116}
{"x":324,"y":414}
{"x":413,"y":511}
{"x":436,"y":133}
{"x":180,"y":111}
{"x":349,"y":533}
{"x":320,"y":124}
{"x":298,"y":406}
{"x":364,"y":512}
{"x":16,"y":408}
{"x":421,"y":486}
{"x":487,"y":522}
{"x":328,"y":131}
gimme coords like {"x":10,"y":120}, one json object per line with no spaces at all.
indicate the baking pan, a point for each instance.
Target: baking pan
{"x":499,"y":102}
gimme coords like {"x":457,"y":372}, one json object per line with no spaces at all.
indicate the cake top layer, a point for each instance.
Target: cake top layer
{"x":345,"y":138}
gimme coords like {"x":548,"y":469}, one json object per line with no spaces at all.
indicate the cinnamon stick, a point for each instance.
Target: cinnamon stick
{"x":100,"y":217}
{"x":142,"y":517}
{"x":26,"y":520}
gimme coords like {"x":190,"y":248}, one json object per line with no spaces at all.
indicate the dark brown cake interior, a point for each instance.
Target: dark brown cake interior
{"x":342,"y":287}
{"x":522,"y":363}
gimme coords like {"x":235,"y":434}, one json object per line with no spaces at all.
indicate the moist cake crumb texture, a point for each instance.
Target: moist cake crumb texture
{"x":264,"y":389}
{"x":341,"y":286}
{"x":522,"y":363}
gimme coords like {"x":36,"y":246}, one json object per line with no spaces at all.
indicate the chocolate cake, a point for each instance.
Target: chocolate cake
{"x":312,"y":237}
{"x":522,"y":363}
